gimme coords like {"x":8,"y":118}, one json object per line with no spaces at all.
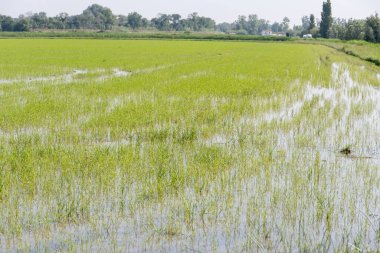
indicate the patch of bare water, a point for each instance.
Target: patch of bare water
{"x":29,"y":131}
{"x":65,"y":78}
{"x":120,"y":73}
{"x":286,"y":114}
{"x":70,"y":77}
{"x":217,"y":140}
{"x":154,"y":69}
{"x":193,"y":75}
{"x":120,"y":101}
{"x":116,"y":73}
{"x":115,"y":144}
{"x":343,"y":95}
{"x":74,"y":75}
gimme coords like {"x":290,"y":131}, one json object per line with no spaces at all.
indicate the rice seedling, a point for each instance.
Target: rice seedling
{"x":216,"y":146}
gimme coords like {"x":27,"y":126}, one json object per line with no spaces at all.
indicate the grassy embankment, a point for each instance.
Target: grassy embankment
{"x":361,"y":49}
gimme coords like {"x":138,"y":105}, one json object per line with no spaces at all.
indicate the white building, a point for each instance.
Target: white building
{"x":266,"y":32}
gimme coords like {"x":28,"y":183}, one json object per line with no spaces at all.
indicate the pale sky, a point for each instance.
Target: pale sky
{"x":219,"y":10}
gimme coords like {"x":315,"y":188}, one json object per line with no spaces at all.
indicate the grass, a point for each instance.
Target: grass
{"x":361,"y":49}
{"x":140,"y":35}
{"x":197,"y":145}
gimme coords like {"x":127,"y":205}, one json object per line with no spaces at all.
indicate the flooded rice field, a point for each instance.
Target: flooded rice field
{"x":182,"y":151}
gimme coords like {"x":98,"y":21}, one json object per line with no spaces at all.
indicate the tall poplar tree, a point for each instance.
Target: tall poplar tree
{"x":326,"y":20}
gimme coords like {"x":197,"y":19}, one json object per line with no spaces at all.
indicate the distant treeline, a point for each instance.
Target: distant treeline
{"x":97,"y":17}
{"x":101,"y":18}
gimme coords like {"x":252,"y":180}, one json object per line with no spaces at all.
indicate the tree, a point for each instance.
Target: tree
{"x":97,"y":17}
{"x":326,"y":20}
{"x":312,"y":23}
{"x":22,"y":25}
{"x":134,"y":20}
{"x":248,"y":25}
{"x":121,"y":20}
{"x":372,"y":30}
{"x":354,"y":30}
{"x":253,"y":24}
{"x":338,"y":28}
{"x":176,"y":22}
{"x":197,"y":23}
{"x":39,"y":20}
{"x":162,"y":22}
{"x":241,"y":23}
{"x":193,"y":19}
{"x":285,"y":24}
{"x":298,"y":30}
{"x":369,"y":34}
{"x":262,"y":25}
{"x":206,"y":23}
{"x":145,"y":22}
{"x":305,"y":24}
{"x":74,"y":22}
{"x":63,"y":18}
{"x":224,"y":27}
{"x":276,"y":27}
{"x":7,"y":23}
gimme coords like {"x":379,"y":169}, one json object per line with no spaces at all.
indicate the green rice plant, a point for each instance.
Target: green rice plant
{"x":155,"y":145}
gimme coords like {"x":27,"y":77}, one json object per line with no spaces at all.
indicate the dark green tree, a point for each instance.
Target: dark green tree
{"x":134,"y":20}
{"x":22,"y":25}
{"x":252,"y":24}
{"x":224,"y":27}
{"x":7,"y":23}
{"x":372,"y":28}
{"x":97,"y":17}
{"x":122,"y":20}
{"x":39,"y":20}
{"x":176,"y":22}
{"x":249,"y":25}
{"x":63,"y":18}
{"x":369,"y":34}
{"x":354,"y":30}
{"x":73,"y":22}
{"x":162,"y":22}
{"x":205,"y":23}
{"x":326,"y":20}
{"x":241,"y":23}
{"x":312,"y":22}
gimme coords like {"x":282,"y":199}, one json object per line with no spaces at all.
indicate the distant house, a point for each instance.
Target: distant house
{"x":279,"y":34}
{"x":307,"y":36}
{"x":266,"y":33}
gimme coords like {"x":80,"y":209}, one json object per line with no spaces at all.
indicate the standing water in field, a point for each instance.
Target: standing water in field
{"x":164,"y":148}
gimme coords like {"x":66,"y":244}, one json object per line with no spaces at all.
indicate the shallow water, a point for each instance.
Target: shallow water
{"x":332,"y":197}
